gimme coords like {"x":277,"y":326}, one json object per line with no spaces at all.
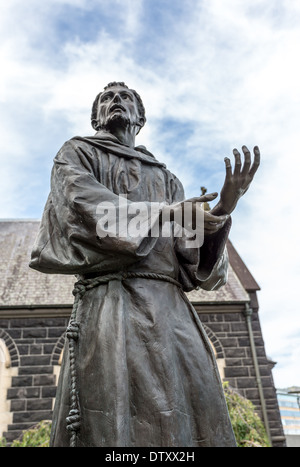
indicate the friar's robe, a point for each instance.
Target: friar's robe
{"x":146,"y":372}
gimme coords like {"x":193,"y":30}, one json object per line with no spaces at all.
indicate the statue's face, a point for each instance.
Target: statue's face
{"x":118,"y":106}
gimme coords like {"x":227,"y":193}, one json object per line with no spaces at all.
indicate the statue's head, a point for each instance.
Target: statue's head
{"x":117,"y":105}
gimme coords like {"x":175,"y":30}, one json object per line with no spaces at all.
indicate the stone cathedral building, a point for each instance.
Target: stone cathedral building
{"x":34,"y":313}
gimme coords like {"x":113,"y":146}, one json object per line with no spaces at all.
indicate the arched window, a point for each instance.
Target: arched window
{"x":57,"y":366}
{"x":220,"y":362}
{"x":56,"y":359}
{"x":4,"y":354}
{"x":6,"y":373}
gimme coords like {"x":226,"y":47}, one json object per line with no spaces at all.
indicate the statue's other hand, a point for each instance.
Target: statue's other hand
{"x":192,"y":210}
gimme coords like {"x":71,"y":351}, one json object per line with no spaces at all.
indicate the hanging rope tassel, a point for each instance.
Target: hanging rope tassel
{"x":74,"y":418}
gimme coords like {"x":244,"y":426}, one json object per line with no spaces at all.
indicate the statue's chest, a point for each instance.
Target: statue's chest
{"x":137,"y":180}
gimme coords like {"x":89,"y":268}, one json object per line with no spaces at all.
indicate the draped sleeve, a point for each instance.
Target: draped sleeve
{"x":205,"y":267}
{"x":68,"y":241}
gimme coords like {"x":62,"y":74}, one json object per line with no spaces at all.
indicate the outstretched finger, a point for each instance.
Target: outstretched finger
{"x":200,"y":199}
{"x":256,"y":161}
{"x":247,"y":161}
{"x":228,"y":167}
{"x":208,"y":197}
{"x":237,"y":167}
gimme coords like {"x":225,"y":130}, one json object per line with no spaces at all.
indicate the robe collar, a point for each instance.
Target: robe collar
{"x":106,"y":141}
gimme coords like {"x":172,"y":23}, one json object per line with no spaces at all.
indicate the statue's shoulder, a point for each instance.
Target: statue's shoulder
{"x":75,"y":149}
{"x":76,"y":142}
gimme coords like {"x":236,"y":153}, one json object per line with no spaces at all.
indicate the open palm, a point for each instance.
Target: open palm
{"x":237,"y":181}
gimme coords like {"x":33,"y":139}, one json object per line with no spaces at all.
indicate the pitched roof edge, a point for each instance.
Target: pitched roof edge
{"x":241,"y":270}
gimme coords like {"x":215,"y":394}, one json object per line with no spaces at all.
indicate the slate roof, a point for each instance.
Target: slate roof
{"x":22,"y":286}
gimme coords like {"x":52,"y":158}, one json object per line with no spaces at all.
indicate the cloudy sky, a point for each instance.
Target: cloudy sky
{"x":213,"y":75}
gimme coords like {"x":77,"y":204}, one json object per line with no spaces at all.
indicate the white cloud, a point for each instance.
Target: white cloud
{"x":227,"y":70}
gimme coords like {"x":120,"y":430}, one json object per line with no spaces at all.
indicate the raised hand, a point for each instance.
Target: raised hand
{"x":237,"y":181}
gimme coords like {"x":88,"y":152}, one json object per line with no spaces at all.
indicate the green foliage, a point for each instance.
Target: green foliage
{"x":36,"y":437}
{"x":3,"y":443}
{"x":247,"y":426}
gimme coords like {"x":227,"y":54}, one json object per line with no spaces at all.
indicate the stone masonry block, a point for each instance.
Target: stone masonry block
{"x":44,"y":380}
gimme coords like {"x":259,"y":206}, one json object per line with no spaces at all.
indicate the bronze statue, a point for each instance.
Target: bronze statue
{"x":138,"y":369}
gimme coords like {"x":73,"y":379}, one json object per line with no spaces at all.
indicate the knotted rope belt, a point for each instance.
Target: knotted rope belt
{"x":80,"y":288}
